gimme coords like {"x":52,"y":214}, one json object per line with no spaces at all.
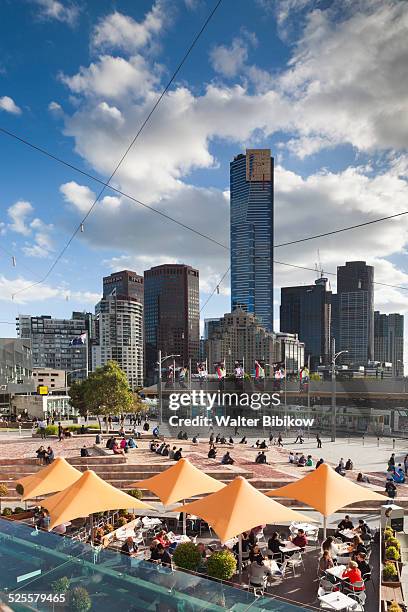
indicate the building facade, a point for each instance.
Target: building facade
{"x":55,"y":380}
{"x":355,"y":303}
{"x":171,"y":315}
{"x":119,"y":326}
{"x":240,"y":337}
{"x":389,"y":341}
{"x":251,"y":233}
{"x":306,"y":311}
{"x":16,"y":368}
{"x":51,"y":342}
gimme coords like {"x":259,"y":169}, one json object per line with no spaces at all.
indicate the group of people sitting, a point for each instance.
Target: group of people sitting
{"x":164,"y":449}
{"x":261,"y":458}
{"x":121,"y":447}
{"x":342,"y":467}
{"x":300,"y":459}
{"x":219,"y":439}
{"x":182,"y":435}
{"x":45,"y":455}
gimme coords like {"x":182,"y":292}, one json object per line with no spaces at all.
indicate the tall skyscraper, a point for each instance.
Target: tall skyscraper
{"x":251,"y":228}
{"x":305,"y":311}
{"x":355,"y":291}
{"x":51,"y":342}
{"x":389,"y":340}
{"x":119,"y":325}
{"x":172,"y":316}
{"x":125,"y":283}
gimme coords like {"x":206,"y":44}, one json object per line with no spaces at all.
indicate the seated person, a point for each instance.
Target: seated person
{"x":291,"y":457}
{"x":325,"y":563}
{"x":340,"y":470}
{"x":399,"y":475}
{"x":390,"y":489}
{"x":129,"y":547}
{"x":263,"y":444}
{"x":117,"y":450}
{"x":246,"y":546}
{"x":349,"y":465}
{"x":178,"y":455}
{"x":330,"y":546}
{"x":109,"y":443}
{"x":49,"y":455}
{"x":302,"y":461}
{"x":123,"y":445}
{"x":309,"y":461}
{"x":212,"y":453}
{"x":345,"y":523}
{"x":362,"y":478}
{"x":84,"y":451}
{"x":185,"y":436}
{"x":194,"y":440}
{"x":353,"y":575}
{"x":154,"y":555}
{"x":132,"y":443}
{"x":155,"y":432}
{"x":257,"y":573}
{"x":363,"y":530}
{"x":299,"y":539}
{"x":217,"y":439}
{"x":227,"y":459}
{"x":160,"y":448}
{"x":223,"y":440}
{"x":166,"y":450}
{"x":257,"y":444}
{"x":363,"y":566}
{"x":162,"y":539}
{"x":296,"y":459}
{"x":261,"y":457}
{"x":231,"y":440}
{"x":44,"y":520}
{"x":357,"y":546}
{"x":319,"y":463}
{"x":41,"y":453}
{"x":255,"y":553}
{"x":164,"y":557}
{"x":180,"y":435}
{"x":244,"y":440}
{"x":172,"y":453}
{"x":274,"y":544}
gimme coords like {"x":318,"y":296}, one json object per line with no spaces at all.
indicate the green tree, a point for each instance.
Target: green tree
{"x":107,"y":392}
{"x":77,"y":396}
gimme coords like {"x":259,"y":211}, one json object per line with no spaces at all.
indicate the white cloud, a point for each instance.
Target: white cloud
{"x":229,"y":61}
{"x":7,"y":104}
{"x":79,"y":195}
{"x":18,"y":213}
{"x":43,"y":244}
{"x":41,"y":293}
{"x":54,"y":9}
{"x":54,"y":107}
{"x":118,"y":31}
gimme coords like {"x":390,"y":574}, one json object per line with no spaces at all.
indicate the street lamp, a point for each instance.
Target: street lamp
{"x":159,"y":382}
{"x":333,"y":389}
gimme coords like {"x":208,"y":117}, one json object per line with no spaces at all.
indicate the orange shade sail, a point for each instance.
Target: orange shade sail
{"x":239,"y":507}
{"x":181,"y":481}
{"x":55,"y":477}
{"x":87,"y":495}
{"x":326,"y":491}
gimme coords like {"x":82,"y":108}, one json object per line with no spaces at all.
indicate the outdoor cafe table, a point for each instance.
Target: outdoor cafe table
{"x":307,"y":527}
{"x":150,"y":522}
{"x":288,"y":547}
{"x":347,"y":533}
{"x":336,"y":571}
{"x":272,"y":566}
{"x":338,"y":601}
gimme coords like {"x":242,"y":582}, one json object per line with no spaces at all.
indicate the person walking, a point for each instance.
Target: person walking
{"x":318,"y":440}
{"x":406,"y":465}
{"x":60,"y":431}
{"x":280,"y":441}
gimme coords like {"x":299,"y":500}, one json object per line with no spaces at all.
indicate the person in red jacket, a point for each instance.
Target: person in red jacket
{"x":353,"y":576}
{"x":299,"y":539}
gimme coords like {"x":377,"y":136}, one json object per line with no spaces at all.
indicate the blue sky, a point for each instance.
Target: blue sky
{"x":326,"y":90}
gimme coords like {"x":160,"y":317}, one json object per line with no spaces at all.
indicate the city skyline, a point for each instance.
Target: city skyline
{"x":238,"y":90}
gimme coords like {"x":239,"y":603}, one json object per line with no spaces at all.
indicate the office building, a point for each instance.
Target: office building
{"x":51,"y":342}
{"x":305,"y":311}
{"x":119,"y":326}
{"x":16,"y":367}
{"x":172,"y":316}
{"x":389,"y":341}
{"x":126,"y":283}
{"x":55,"y":380}
{"x":240,"y":337}
{"x":251,"y":230}
{"x":355,"y":302}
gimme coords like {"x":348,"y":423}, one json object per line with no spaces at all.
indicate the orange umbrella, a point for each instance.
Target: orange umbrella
{"x":326,"y":491}
{"x":181,"y":481}
{"x":239,"y":507}
{"x":55,"y":477}
{"x":87,"y":495}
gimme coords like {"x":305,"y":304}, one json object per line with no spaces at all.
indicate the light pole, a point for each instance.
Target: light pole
{"x":160,"y":360}
{"x":333,"y":388}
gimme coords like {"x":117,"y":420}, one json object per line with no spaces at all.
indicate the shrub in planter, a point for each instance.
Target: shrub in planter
{"x":394,"y":607}
{"x":136,"y":493}
{"x":187,"y":556}
{"x":61,"y":585}
{"x":392,"y":554}
{"x":3,"y":491}
{"x":79,"y":600}
{"x":130,"y":517}
{"x":122,"y":512}
{"x":390,"y":573}
{"x":388,"y":533}
{"x":109,"y":528}
{"x":222,"y":565}
{"x":393,"y":542}
{"x":7,"y":512}
{"x":18,"y":510}
{"x":122,"y":521}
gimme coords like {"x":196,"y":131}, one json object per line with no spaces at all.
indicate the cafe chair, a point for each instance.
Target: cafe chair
{"x":295,"y":561}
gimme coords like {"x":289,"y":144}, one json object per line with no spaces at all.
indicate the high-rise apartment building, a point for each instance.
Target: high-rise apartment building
{"x":389,"y":340}
{"x":51,"y":342}
{"x":251,"y":229}
{"x":172,"y":315}
{"x":126,"y":283}
{"x":119,"y":326}
{"x":306,"y":311}
{"x":355,"y":303}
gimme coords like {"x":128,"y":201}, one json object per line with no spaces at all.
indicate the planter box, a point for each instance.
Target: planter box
{"x":22,"y":516}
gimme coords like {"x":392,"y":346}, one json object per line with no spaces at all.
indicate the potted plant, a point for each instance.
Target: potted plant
{"x":136,"y":493}
{"x":7,"y":512}
{"x":187,"y":556}
{"x":222,"y":565}
{"x":393,"y":542}
{"x":394,"y":607}
{"x":109,"y":528}
{"x":61,"y":585}
{"x":3,"y":492}
{"x":122,"y":521}
{"x":390,"y":575}
{"x":79,"y":600}
{"x":392,"y":553}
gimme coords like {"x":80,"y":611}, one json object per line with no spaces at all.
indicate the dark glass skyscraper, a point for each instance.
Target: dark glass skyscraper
{"x":389,"y":340}
{"x":172,"y":317}
{"x":305,"y":311}
{"x":251,"y":226}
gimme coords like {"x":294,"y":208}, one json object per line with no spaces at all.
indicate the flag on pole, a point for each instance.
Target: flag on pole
{"x":78,"y":340}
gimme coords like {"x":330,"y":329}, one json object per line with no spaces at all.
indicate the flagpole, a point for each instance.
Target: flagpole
{"x":86,"y":354}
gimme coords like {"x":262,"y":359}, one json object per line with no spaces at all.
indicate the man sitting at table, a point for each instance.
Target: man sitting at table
{"x":363,"y":566}
{"x":162,"y":538}
{"x":255,"y":554}
{"x":258,"y":572}
{"x":154,"y":555}
{"x":274,"y":544}
{"x":129,"y":548}
{"x":353,"y":576}
{"x":344,"y":524}
{"x":164,"y":557}
{"x":300,"y":539}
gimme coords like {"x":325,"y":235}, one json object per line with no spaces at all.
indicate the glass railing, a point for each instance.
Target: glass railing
{"x":44,"y":571}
